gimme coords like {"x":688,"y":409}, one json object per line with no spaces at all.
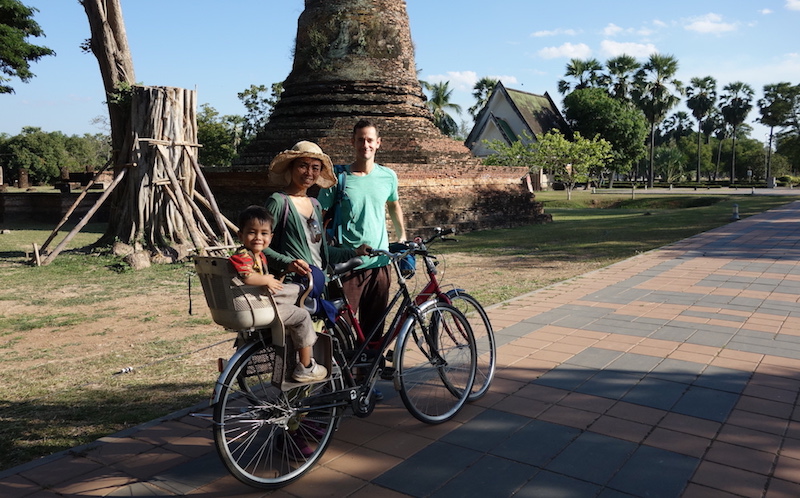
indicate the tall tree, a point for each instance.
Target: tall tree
{"x":439,"y":104}
{"x":592,"y":112}
{"x":482,"y":91}
{"x":586,"y":72}
{"x":620,"y":76}
{"x":702,"y":97}
{"x":775,"y":108}
{"x":16,"y":52}
{"x":677,"y":125}
{"x":573,"y":159}
{"x":654,"y":91}
{"x":154,"y":137}
{"x":737,"y":101}
{"x":258,"y":104}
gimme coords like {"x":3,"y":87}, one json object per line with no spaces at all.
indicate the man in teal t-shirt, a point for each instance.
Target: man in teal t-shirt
{"x":370,"y":189}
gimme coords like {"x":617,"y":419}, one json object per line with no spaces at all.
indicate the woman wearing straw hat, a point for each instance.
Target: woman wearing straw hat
{"x":299,"y":239}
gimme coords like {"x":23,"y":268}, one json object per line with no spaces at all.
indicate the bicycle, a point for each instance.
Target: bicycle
{"x":268,"y":430}
{"x":352,"y":336}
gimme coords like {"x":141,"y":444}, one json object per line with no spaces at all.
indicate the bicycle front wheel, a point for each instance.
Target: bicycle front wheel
{"x":435,"y":362}
{"x":262,"y":434}
{"x":484,"y":340}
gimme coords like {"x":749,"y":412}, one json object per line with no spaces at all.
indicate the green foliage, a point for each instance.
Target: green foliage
{"x":670,"y":162}
{"x":16,"y":52}
{"x":572,"y":160}
{"x":585,"y":72}
{"x":258,"y":104}
{"x":439,"y":105}
{"x":519,"y":153}
{"x":218,"y":135}
{"x":482,"y":91}
{"x":592,"y":112}
{"x":45,"y":154}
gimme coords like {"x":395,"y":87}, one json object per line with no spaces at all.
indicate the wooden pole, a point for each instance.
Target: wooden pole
{"x":85,"y":220}
{"x":228,"y":223}
{"x":212,"y":203}
{"x":182,"y":207}
{"x":74,"y":205}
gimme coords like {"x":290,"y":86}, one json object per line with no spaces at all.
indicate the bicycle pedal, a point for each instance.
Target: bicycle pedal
{"x":387,"y":373}
{"x":389,"y":356}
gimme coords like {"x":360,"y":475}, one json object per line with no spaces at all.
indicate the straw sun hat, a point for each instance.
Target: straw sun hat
{"x":280,"y":166}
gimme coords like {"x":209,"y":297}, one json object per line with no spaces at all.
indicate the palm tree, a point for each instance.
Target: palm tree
{"x":676,"y":126}
{"x":587,"y":72}
{"x":702,"y":93}
{"x":715,"y":124}
{"x":439,"y":103}
{"x":621,"y":70}
{"x":736,"y":104}
{"x":775,"y":107}
{"x":482,"y":91}
{"x":653,"y":93}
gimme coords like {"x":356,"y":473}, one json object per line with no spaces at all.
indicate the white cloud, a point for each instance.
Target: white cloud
{"x":611,"y":30}
{"x":660,"y":24}
{"x":568,"y":50}
{"x":639,"y":50}
{"x":709,"y":23}
{"x":793,"y":4}
{"x":459,"y":80}
{"x":554,"y":32}
{"x":765,"y":11}
{"x":507,"y":80}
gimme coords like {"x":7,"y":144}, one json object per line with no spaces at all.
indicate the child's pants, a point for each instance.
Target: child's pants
{"x":295,"y":319}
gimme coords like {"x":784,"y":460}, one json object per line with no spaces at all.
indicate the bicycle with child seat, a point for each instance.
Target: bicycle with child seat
{"x":350,"y":334}
{"x":269,"y":430}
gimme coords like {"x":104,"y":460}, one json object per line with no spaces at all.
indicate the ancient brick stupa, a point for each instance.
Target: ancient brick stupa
{"x":353,"y":59}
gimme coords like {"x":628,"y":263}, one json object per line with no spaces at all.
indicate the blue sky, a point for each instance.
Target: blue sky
{"x":221,"y":48}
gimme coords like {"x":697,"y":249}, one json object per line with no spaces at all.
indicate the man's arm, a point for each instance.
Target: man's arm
{"x":396,"y":214}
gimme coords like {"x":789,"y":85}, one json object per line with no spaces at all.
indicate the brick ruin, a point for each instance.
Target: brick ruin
{"x":354,"y":59}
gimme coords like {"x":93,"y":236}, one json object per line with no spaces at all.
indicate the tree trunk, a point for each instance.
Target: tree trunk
{"x":157,"y":211}
{"x":109,"y":44}
{"x":154,"y":136}
{"x":651,"y":175}
{"x":733,"y":157}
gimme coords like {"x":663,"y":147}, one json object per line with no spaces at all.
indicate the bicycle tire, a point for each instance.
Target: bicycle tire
{"x":484,"y":340}
{"x":342,"y":331}
{"x":258,"y":429}
{"x":435,"y":362}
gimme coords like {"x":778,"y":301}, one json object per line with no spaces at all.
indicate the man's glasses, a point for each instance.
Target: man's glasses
{"x":315,"y":229}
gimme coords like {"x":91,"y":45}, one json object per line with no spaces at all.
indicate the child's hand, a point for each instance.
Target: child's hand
{"x":363,"y":250}
{"x":272,"y":284}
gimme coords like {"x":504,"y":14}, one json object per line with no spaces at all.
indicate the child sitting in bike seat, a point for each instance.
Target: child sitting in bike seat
{"x":255,"y":233}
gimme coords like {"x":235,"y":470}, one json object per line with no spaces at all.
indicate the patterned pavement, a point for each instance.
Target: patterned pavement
{"x":673,"y":373}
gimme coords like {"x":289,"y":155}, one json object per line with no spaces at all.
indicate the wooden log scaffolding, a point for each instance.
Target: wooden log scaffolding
{"x":160,"y":211}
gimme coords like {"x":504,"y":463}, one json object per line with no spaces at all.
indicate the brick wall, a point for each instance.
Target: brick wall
{"x":467,"y":197}
{"x":47,"y":207}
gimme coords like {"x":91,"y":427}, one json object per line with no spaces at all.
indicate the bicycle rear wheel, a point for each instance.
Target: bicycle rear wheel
{"x":262,"y":436}
{"x":435,"y":362}
{"x":484,"y":340}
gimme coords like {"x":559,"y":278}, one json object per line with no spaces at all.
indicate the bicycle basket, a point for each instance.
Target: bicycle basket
{"x":233,"y":305}
{"x":408,"y":265}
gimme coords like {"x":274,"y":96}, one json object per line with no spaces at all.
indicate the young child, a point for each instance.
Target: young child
{"x":255,"y":233}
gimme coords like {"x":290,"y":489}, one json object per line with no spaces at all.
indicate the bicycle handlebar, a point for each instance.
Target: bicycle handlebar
{"x":418,"y":246}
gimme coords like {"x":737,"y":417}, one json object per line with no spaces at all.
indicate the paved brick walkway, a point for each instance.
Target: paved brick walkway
{"x":673,"y":373}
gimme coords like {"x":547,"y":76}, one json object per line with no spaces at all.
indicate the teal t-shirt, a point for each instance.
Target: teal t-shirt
{"x":364,"y":210}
